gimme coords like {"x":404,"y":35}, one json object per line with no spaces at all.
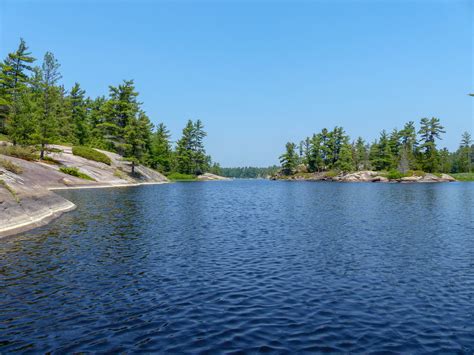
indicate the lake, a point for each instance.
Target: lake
{"x":246,"y":265}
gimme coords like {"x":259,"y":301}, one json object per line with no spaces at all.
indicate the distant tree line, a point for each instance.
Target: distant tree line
{"x":248,"y":172}
{"x":35,"y":109}
{"x":402,"y":150}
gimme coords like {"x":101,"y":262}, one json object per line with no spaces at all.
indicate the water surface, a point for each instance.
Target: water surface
{"x":246,"y":265}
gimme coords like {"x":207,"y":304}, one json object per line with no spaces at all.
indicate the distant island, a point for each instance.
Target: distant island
{"x":406,"y":155}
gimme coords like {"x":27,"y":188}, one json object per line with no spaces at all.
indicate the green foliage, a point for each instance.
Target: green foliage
{"x":191,"y":156}
{"x":10,"y":190}
{"x":463,"y":176}
{"x":25,"y":153}
{"x":73,"y":171}
{"x":35,"y":109}
{"x":91,"y":154}
{"x":248,"y":172}
{"x":395,"y":175}
{"x":181,"y":177}
{"x":49,"y":160}
{"x":10,"y":166}
{"x":289,"y":160}
{"x":418,"y":173}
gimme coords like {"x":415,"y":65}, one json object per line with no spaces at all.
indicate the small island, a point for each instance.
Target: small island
{"x":407,"y":156}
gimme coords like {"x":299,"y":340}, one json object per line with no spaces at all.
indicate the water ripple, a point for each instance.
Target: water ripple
{"x":246,"y":266}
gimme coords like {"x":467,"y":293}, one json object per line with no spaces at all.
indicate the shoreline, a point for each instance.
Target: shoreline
{"x":26,"y":222}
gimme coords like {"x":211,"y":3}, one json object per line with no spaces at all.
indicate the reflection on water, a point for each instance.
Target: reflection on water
{"x":253,"y":265}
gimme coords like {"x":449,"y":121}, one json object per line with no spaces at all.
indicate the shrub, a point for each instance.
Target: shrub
{"x":91,"y":154}
{"x":332,"y":173}
{"x":75,"y":172}
{"x":25,"y":153}
{"x":394,"y":175}
{"x":419,"y":173}
{"x":179,"y":176}
{"x":10,"y":166}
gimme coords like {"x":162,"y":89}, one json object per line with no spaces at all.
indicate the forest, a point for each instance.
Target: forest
{"x":37,"y":110}
{"x":400,"y":151}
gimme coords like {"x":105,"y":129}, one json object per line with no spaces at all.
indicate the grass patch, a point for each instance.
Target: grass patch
{"x":463,"y":176}
{"x":4,"y":137}
{"x":10,"y":189}
{"x":49,"y":160}
{"x":91,"y":154}
{"x":120,"y":174}
{"x":25,"y":153}
{"x":10,"y":166}
{"x":332,"y":173}
{"x":417,"y":173}
{"x":181,"y":177}
{"x":75,"y":172}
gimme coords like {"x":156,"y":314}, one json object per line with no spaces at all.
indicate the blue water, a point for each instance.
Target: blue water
{"x":246,"y":265}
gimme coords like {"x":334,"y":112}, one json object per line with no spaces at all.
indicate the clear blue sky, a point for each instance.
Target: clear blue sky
{"x":261,"y":73}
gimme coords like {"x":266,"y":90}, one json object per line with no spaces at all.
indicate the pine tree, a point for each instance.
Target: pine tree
{"x":13,"y":82}
{"x":161,"y":152}
{"x":78,"y":114}
{"x":184,"y":150}
{"x":289,"y":160}
{"x":136,"y":136}
{"x":430,"y":130}
{"x":315,"y":157}
{"x":361,"y":158}
{"x":381,"y":154}
{"x":464,"y":153}
{"x":118,"y":111}
{"x":46,"y":127}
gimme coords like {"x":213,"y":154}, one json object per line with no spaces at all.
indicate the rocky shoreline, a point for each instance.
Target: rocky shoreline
{"x":27,"y":199}
{"x":366,"y":176}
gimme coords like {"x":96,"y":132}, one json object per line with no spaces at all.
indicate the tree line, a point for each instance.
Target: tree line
{"x":403,"y":150}
{"x":35,"y":109}
{"x":248,"y":172}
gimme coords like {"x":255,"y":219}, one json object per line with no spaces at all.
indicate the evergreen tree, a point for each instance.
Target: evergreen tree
{"x":315,"y":156}
{"x":46,"y":128}
{"x":464,"y":153}
{"x":136,"y":136}
{"x":78,"y":114}
{"x":289,"y":160}
{"x":161,"y":152}
{"x":344,"y":159}
{"x":184,"y":150}
{"x":361,"y":155}
{"x":430,"y":130}
{"x":118,"y":111}
{"x":13,"y":84}
{"x":381,"y":154}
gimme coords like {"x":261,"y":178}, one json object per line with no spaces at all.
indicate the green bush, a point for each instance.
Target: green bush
{"x":418,"y":173}
{"x":49,"y":160}
{"x":75,"y":172}
{"x":91,"y":154}
{"x":10,"y":166}
{"x":394,"y":175}
{"x":179,"y":176}
{"x":17,"y":151}
{"x":332,"y":173}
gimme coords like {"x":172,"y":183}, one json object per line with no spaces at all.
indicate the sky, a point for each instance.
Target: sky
{"x":262,"y":73}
